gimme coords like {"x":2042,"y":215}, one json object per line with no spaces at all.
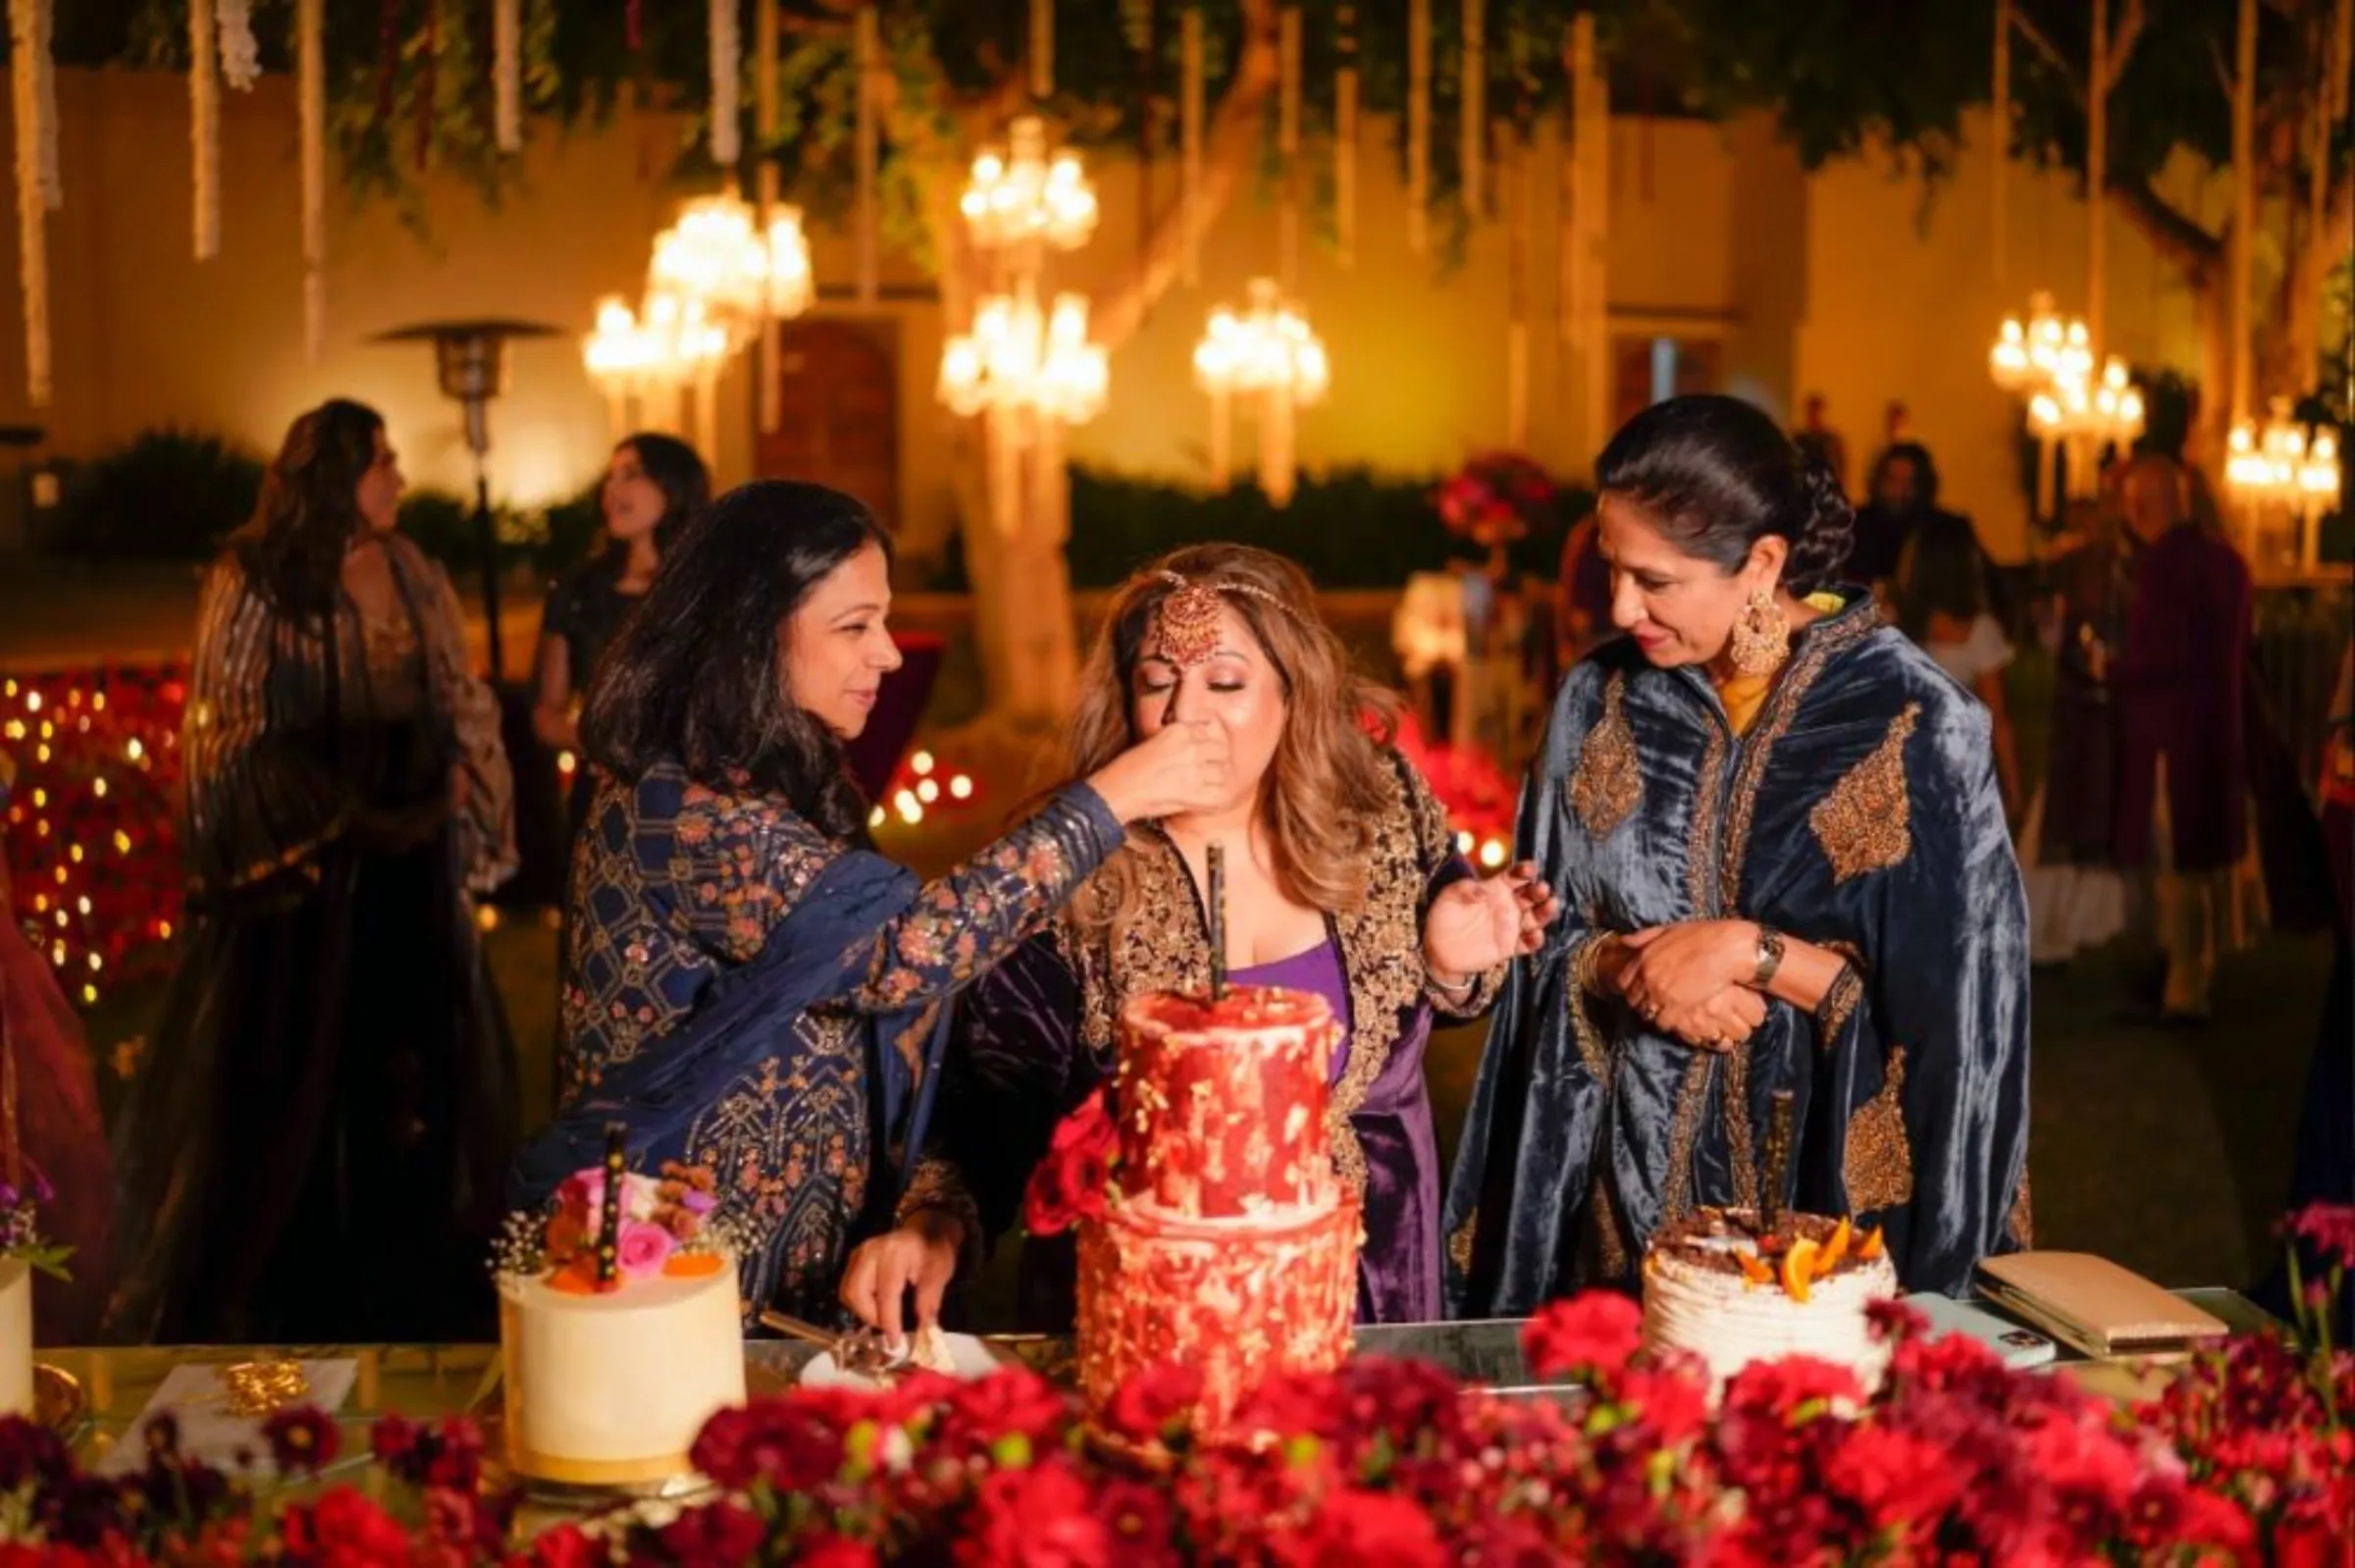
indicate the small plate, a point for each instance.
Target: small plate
{"x":57,"y":1402}
{"x":969,"y":1359}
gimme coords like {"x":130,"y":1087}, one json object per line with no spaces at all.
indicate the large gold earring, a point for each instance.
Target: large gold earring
{"x":1761,"y":639}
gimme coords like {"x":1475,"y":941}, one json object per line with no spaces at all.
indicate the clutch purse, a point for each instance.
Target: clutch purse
{"x":2096,"y":1306}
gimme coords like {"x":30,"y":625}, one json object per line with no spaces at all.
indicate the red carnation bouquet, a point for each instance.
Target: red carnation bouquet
{"x":1073,"y":1183}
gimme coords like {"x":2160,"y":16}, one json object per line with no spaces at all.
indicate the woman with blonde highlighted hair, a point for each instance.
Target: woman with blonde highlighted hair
{"x":1341,"y":878}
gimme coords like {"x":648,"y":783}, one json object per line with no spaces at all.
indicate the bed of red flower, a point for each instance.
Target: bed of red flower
{"x":2246,"y":1457}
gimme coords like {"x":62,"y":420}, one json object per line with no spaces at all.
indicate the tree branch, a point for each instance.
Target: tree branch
{"x":2123,"y":41}
{"x":2071,"y":77}
{"x":1231,"y":144}
{"x":2194,"y":252}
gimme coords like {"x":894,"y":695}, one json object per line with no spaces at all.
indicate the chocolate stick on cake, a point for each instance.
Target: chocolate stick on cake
{"x":1216,"y":856}
{"x":1777,"y":1176}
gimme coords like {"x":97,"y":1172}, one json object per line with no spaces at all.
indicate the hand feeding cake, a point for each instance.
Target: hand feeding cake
{"x":1227,"y":1244}
{"x":1720,"y":1285}
{"x":619,"y":1324}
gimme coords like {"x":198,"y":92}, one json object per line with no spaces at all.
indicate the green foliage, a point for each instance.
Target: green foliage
{"x":1351,"y":529}
{"x":169,"y":494}
{"x":546,"y":542}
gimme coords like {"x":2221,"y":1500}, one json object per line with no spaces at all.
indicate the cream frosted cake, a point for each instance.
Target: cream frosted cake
{"x":1720,"y":1285}
{"x":1227,"y":1242}
{"x":620,"y":1328}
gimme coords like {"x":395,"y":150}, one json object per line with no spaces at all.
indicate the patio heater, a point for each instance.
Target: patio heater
{"x":470,"y":360}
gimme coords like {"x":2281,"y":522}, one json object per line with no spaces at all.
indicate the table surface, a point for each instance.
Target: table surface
{"x":422,"y":1381}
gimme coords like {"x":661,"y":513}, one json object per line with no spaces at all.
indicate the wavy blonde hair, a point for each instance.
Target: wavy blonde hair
{"x":1329,"y":778}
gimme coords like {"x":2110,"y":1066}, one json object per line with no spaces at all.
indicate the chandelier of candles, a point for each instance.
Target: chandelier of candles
{"x":715,"y":280}
{"x":2042,"y":351}
{"x":1023,"y":196}
{"x":1268,"y":348}
{"x":2107,"y":412}
{"x":1017,"y":357}
{"x":2276,"y":462}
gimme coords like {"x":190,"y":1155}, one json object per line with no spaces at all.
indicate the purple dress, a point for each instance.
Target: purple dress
{"x":1398,"y":1278}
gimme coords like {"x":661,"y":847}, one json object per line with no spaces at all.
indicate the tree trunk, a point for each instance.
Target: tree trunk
{"x":1023,"y":615}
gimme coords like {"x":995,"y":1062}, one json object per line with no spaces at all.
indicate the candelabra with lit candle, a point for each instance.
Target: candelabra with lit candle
{"x":2273,"y":469}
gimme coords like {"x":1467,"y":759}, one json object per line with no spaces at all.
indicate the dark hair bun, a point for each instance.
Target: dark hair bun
{"x":1819,"y":548}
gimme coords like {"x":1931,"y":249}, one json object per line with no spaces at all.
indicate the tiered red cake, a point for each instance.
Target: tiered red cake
{"x":1228,"y":1244}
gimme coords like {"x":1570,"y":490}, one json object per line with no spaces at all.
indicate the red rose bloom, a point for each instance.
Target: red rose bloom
{"x":1151,"y":1402}
{"x":835,"y":1551}
{"x":345,"y":1529}
{"x":1040,"y":1517}
{"x":1595,"y":1333}
{"x":1355,"y":1529}
{"x":1071,"y":1183}
{"x":1897,"y":1481}
{"x":1003,"y":1404}
{"x":717,"y":1535}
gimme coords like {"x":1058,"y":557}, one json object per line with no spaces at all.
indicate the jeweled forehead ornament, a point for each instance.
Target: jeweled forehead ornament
{"x":1185,"y":624}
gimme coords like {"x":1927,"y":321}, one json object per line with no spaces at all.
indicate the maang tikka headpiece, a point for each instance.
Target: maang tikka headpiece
{"x":1187,"y":622}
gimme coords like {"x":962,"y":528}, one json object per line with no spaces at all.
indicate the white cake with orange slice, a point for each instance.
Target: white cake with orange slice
{"x":621,"y":1330}
{"x":1720,"y":1285}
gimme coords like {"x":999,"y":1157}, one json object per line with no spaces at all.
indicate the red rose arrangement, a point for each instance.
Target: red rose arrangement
{"x":1073,"y":1183}
{"x":1494,"y":499}
{"x":1955,"y":1458}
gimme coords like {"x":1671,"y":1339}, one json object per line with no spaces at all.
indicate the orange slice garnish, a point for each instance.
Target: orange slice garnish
{"x":692,"y":1265}
{"x":1870,"y":1247}
{"x":1754,"y":1268}
{"x":1834,"y":1251}
{"x":574,"y":1280}
{"x":1798,"y":1267}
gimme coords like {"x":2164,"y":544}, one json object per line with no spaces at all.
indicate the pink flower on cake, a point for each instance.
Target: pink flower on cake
{"x":1595,"y":1333}
{"x":644,"y":1248}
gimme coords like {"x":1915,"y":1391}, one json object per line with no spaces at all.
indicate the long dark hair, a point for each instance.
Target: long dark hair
{"x":693,"y":676}
{"x":309,"y":511}
{"x":678,"y":472}
{"x":1715,"y":475}
{"x":1940,"y":573}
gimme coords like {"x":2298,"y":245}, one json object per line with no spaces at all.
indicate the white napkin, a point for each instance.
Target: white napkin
{"x":209,"y":1429}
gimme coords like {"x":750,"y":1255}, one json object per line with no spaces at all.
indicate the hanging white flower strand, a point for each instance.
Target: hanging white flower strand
{"x":1418,"y":124}
{"x":310,"y":95}
{"x":27,"y":30}
{"x":204,"y":129}
{"x":767,"y":124}
{"x":727,"y":84}
{"x":507,"y":74}
{"x":240,"y":56}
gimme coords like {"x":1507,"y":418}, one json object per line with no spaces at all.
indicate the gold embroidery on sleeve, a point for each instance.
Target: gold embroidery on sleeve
{"x":1866,"y":823}
{"x":1878,"y":1167}
{"x":1459,"y":1245}
{"x":1608,"y":785}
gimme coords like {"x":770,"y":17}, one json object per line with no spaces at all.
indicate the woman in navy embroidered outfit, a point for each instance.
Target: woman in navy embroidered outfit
{"x":1758,"y":756}
{"x":750,"y":985}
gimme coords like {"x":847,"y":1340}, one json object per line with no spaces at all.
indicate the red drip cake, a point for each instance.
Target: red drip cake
{"x":1228,"y":1244}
